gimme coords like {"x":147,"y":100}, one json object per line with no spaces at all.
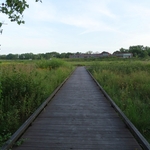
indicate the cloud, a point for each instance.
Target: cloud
{"x":100,"y":8}
{"x":39,"y":12}
{"x":137,"y":39}
{"x":86,"y":15}
{"x":89,"y":16}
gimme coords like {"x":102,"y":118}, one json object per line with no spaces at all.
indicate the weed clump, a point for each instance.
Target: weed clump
{"x":51,"y":64}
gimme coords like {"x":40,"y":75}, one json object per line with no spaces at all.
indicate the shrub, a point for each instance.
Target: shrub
{"x":51,"y":64}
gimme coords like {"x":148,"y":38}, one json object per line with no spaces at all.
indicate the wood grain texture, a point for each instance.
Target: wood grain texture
{"x":78,"y":117}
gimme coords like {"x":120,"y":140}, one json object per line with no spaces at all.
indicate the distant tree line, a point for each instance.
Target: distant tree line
{"x":138,"y":51}
{"x":31,"y":56}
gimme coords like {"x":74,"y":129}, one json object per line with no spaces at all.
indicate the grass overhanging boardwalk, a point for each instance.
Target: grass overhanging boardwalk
{"x":78,"y":117}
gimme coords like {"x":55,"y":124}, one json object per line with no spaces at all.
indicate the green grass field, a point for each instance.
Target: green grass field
{"x":24,"y":85}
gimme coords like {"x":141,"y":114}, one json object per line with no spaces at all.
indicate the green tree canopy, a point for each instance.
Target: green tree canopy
{"x":14,"y":9}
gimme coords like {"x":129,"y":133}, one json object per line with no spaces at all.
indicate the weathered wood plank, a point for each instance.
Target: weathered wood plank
{"x":101,"y":133}
{"x":79,"y":147}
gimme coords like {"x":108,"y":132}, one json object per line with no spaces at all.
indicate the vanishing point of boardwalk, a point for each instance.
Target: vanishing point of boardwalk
{"x":78,"y":117}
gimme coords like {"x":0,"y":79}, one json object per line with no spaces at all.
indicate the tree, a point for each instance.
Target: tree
{"x":11,"y":56}
{"x":139,"y":51}
{"x":1,"y":30}
{"x":123,"y":50}
{"x":148,"y":50}
{"x":136,"y":50}
{"x":14,"y":9}
{"x":89,"y":52}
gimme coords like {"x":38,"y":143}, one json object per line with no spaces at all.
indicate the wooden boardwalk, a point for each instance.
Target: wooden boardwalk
{"x":78,"y":117}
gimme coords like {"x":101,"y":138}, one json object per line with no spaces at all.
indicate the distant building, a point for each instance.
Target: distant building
{"x":103,"y":54}
{"x":123,"y":55}
{"x":84,"y":55}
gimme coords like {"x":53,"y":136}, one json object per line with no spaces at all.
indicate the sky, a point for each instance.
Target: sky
{"x":77,"y":26}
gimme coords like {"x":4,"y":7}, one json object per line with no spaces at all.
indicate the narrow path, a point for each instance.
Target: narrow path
{"x":78,"y":117}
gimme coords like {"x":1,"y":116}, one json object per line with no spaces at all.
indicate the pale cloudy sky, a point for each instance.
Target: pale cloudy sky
{"x":78,"y":26}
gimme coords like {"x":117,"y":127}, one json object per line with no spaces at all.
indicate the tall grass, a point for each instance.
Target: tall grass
{"x":128,"y":84}
{"x":23,"y":87}
{"x":50,"y":64}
